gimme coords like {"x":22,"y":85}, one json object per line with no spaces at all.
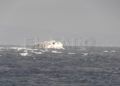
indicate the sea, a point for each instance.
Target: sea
{"x":84,"y":66}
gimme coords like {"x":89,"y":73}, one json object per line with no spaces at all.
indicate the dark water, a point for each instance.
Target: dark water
{"x":98,"y":68}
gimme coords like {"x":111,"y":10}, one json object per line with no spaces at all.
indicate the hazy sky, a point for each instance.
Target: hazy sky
{"x":47,"y":19}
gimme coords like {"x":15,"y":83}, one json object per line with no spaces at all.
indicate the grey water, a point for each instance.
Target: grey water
{"x":97,"y":68}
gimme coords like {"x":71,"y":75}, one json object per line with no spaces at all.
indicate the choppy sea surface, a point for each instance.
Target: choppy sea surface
{"x":95,"y":66}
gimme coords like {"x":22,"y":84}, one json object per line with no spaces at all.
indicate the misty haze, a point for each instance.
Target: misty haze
{"x":59,"y":42}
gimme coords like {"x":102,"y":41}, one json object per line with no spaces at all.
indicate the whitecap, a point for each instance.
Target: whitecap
{"x":71,"y":53}
{"x":56,"y":51}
